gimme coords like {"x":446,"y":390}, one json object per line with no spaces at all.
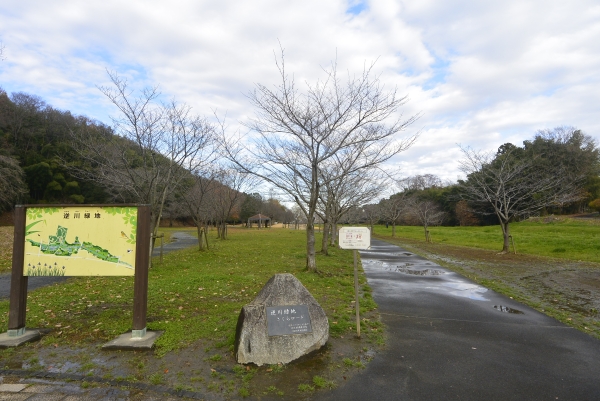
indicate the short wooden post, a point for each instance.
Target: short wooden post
{"x":142,"y":264}
{"x":18,"y":282}
{"x":356,"y":293}
{"x":512,"y":241}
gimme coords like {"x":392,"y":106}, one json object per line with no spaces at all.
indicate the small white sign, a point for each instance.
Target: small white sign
{"x":355,"y":238}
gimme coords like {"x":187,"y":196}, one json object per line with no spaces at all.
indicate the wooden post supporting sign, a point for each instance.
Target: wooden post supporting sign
{"x":18,"y":282}
{"x":355,"y":238}
{"x":142,"y":263}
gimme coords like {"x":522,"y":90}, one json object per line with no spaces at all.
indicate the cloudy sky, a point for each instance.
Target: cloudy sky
{"x":482,"y":73}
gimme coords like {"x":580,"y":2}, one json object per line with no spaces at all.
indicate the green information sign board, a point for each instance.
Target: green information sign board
{"x":83,"y":240}
{"x":80,"y":241}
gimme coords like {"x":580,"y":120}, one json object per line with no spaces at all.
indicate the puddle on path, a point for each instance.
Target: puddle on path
{"x":506,"y":309}
{"x":406,"y":268}
{"x":462,"y":289}
{"x":425,"y":272}
{"x":415,"y":272}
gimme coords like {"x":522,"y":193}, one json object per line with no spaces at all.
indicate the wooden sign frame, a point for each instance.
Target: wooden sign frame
{"x":18,"y":285}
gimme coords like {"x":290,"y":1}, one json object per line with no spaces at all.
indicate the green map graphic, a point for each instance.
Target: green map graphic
{"x":59,"y":246}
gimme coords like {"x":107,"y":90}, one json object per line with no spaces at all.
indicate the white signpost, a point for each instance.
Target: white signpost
{"x":355,"y":238}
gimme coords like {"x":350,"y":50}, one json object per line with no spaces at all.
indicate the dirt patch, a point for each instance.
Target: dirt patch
{"x":566,"y":290}
{"x":203,"y":368}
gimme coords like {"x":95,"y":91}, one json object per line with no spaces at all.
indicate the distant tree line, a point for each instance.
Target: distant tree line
{"x":322,"y":147}
{"x":556,"y":172}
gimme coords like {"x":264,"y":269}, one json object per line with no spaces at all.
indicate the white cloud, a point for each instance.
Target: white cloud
{"x":482,"y":73}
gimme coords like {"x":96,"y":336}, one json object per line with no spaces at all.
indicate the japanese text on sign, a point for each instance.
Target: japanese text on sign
{"x":86,"y":240}
{"x":355,"y":238}
{"x":289,"y":319}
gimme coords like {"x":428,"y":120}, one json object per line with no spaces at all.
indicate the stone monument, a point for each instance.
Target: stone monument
{"x":283,"y":323}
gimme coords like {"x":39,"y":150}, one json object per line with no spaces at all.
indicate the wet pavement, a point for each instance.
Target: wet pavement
{"x":32,"y":283}
{"x":179,"y":240}
{"x":450,"y":338}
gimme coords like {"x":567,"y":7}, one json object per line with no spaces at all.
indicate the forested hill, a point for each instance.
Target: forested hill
{"x":34,"y":146}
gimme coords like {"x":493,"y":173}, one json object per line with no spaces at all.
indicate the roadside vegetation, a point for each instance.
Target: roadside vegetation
{"x":556,"y":269}
{"x":195,"y":298}
{"x":550,"y":236}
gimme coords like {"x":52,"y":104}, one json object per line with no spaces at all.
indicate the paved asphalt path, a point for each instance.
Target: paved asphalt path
{"x":449,"y":339}
{"x":180,"y":240}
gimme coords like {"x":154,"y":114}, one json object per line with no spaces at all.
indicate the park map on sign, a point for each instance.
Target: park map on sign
{"x":80,"y":241}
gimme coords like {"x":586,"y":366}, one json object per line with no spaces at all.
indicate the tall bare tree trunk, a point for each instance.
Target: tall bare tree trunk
{"x":311,"y":261}
{"x":506,"y":235}
{"x":200,"y":239}
{"x":325,"y":240}
{"x":334,"y":233}
{"x":206,"y":234}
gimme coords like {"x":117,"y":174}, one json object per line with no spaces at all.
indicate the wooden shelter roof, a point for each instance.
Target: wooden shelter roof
{"x":259,"y":217}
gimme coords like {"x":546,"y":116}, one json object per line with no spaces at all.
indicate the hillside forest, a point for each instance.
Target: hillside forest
{"x":41,"y":164}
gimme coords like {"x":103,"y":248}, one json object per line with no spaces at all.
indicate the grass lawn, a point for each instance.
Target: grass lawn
{"x":195,"y":298}
{"x":557,"y":238}
{"x":194,"y":295}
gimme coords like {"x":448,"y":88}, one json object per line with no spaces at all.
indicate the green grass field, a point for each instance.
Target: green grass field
{"x":196,"y":295}
{"x":561,"y":238}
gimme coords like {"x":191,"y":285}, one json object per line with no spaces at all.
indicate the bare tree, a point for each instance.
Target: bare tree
{"x":299,"y":217}
{"x":228,"y":196}
{"x":427,"y":212}
{"x":12,"y":183}
{"x":196,"y":197}
{"x":344,"y":193}
{"x":514,"y":186}
{"x":354,"y":215}
{"x":155,"y":147}
{"x":297,"y":132}
{"x":393,"y":208}
{"x":372,"y":214}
